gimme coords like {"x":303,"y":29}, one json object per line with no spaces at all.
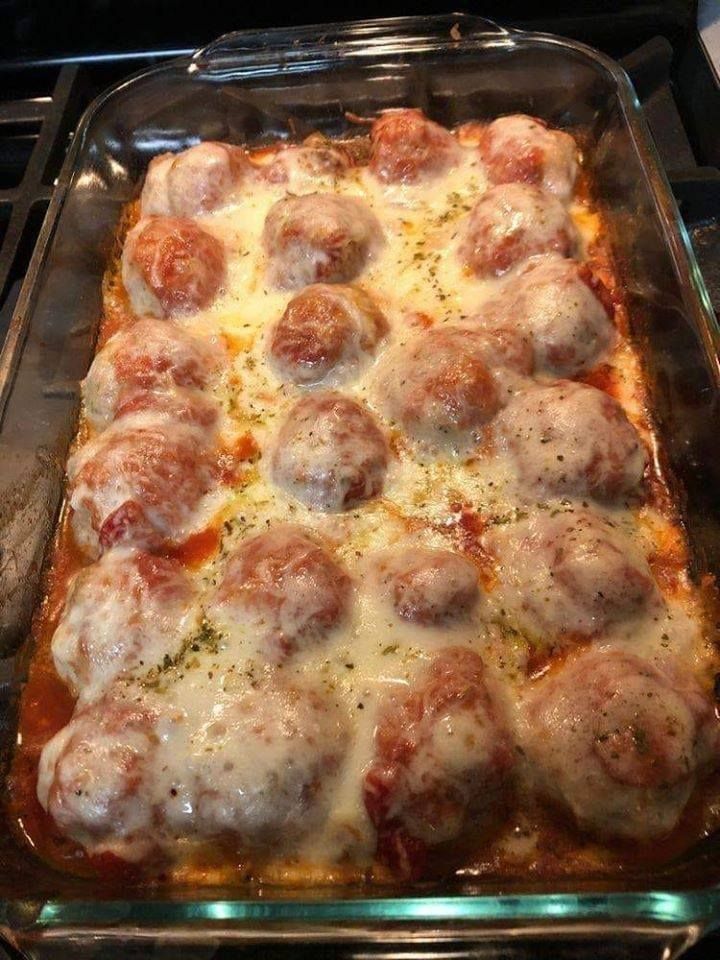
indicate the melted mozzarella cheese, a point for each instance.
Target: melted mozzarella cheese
{"x":212,"y":770}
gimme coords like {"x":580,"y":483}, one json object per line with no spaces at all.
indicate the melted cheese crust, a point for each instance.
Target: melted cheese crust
{"x":443,"y":497}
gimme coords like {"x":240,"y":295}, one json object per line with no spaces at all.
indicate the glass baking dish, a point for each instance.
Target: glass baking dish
{"x":253,"y":88}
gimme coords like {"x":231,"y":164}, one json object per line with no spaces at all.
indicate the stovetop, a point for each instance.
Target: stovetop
{"x":32,"y":28}
{"x":44,"y":89}
{"x":49,"y":94}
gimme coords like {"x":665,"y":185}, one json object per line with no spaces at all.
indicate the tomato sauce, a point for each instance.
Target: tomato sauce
{"x":198,"y":548}
{"x":46,"y":706}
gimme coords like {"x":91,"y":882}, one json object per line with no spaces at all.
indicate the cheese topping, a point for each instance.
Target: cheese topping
{"x":309,"y":691}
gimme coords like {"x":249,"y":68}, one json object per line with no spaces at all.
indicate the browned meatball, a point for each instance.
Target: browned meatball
{"x":440,"y":386}
{"x":94,"y":777}
{"x":555,"y":302}
{"x":442,"y":757}
{"x":407,"y":147}
{"x":286,"y":587}
{"x":171,"y":266}
{"x":152,"y":364}
{"x":258,"y":765}
{"x":430,"y":587}
{"x":330,"y":453}
{"x":570,"y":438}
{"x":619,"y":743}
{"x":139,"y":484}
{"x":520,"y":149}
{"x":512,"y":222}
{"x":326,"y":329}
{"x":195,"y":181}
{"x":319,"y":238}
{"x":126,"y":608}
{"x":568,"y":576}
{"x":299,"y":164}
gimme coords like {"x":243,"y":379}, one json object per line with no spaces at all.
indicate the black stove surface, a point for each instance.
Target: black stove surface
{"x":47,"y":81}
{"x":32,"y":29}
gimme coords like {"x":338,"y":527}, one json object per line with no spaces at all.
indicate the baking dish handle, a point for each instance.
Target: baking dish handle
{"x":362,"y":36}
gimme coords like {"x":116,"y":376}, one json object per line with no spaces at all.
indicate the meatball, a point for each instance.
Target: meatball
{"x":326,"y":329}
{"x":184,"y":405}
{"x":568,"y":576}
{"x":407,"y":147}
{"x":572,"y":439}
{"x":318,"y":238}
{"x":303,"y":165}
{"x":257,"y":766}
{"x":520,"y":149}
{"x":151,"y":364}
{"x":510,"y":223}
{"x":286,"y":588}
{"x":440,"y":386}
{"x":330,"y":453}
{"x":139,"y":483}
{"x":93,"y":776}
{"x":442,"y":757}
{"x":171,"y":266}
{"x":552,"y":300}
{"x":430,"y":587}
{"x":619,"y":743}
{"x":194,"y":182}
{"x":128,"y":607}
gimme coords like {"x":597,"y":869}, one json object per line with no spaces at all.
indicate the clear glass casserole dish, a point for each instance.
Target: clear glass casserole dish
{"x":254,"y":88}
